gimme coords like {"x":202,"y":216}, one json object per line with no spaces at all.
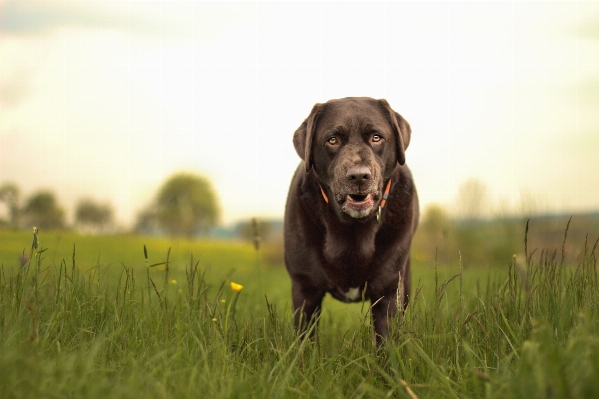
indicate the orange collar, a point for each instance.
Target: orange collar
{"x":381,"y":206}
{"x":326,"y":199}
{"x":383,"y":201}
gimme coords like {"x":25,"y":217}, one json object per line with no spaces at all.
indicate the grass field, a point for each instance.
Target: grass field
{"x":85,"y":317}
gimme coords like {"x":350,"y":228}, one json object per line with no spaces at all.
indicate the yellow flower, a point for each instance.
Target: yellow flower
{"x":223,"y":300}
{"x":236,"y":287}
{"x":214,"y":319}
{"x":174,"y":282}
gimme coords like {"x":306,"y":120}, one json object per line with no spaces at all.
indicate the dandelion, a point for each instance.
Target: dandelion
{"x":223,"y":300}
{"x":174,"y":282}
{"x":230,"y":314}
{"x":236,"y":287}
{"x":214,"y":319}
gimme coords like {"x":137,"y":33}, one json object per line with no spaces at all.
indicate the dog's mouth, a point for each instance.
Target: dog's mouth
{"x":358,"y":205}
{"x":358,"y":198}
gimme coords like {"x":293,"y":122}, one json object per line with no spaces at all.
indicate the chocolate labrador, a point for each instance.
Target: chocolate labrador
{"x":351,"y":210}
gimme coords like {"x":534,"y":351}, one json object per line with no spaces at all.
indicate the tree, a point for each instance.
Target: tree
{"x":433,"y":239}
{"x":42,"y":211}
{"x":435,"y":223}
{"x":93,"y":216}
{"x":9,"y":195}
{"x":186,"y":205}
{"x":146,"y":221}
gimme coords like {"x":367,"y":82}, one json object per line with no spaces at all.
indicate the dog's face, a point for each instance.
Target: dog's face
{"x":353,"y":145}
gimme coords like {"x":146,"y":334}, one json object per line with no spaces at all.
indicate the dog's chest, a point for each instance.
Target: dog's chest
{"x":349,"y":259}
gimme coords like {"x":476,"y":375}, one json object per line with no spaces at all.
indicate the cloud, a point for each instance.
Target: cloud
{"x":31,"y":17}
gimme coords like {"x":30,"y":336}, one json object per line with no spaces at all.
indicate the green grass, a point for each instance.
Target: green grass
{"x":90,"y":324}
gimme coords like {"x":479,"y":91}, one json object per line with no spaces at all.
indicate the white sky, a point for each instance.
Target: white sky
{"x":108,"y":99}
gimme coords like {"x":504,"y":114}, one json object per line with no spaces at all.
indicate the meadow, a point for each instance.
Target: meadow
{"x":91,"y":317}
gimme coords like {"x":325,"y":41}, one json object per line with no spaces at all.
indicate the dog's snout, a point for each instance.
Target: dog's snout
{"x":358,"y":174}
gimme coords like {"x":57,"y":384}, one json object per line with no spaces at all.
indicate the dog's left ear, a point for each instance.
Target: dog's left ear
{"x":302,"y":138}
{"x":402,"y":129}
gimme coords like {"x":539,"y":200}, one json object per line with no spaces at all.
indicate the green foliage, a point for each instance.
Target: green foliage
{"x":432,"y":241}
{"x":90,"y":215}
{"x":72,"y":326}
{"x":43,"y":211}
{"x":185,"y":205}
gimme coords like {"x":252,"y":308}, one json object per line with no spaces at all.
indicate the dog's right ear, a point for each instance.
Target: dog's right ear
{"x":302,"y":138}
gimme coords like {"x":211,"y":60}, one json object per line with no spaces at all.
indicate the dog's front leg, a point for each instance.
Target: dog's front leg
{"x":383,"y":310}
{"x":306,"y":306}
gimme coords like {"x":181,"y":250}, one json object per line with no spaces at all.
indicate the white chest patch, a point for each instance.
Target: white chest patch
{"x":353,"y":293}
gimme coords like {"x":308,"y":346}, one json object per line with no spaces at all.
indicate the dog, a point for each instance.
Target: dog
{"x":351,"y":211}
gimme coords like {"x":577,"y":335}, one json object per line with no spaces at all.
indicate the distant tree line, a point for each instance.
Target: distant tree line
{"x":475,"y":234}
{"x":42,"y":210}
{"x":185,"y":205}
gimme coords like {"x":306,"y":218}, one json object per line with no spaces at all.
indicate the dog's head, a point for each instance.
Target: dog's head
{"x":353,"y":145}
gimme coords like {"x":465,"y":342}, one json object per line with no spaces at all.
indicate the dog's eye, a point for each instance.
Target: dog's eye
{"x":376,"y":138}
{"x":333,"y":141}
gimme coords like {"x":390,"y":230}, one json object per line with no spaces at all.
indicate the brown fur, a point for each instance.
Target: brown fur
{"x":337,"y":246}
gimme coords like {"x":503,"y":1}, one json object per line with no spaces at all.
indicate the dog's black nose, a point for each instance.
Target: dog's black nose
{"x":357,"y":174}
